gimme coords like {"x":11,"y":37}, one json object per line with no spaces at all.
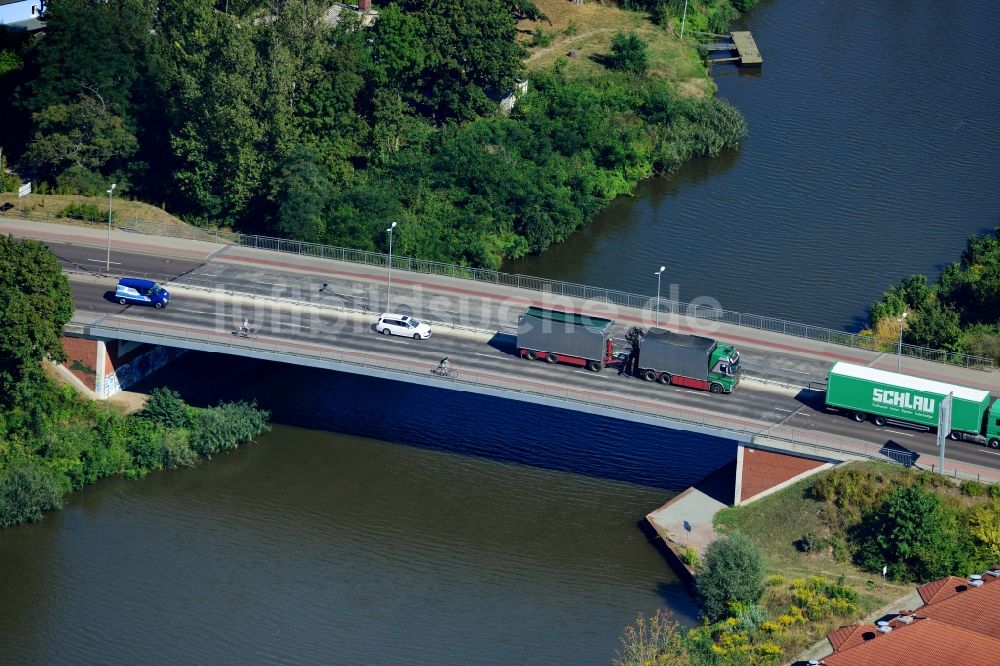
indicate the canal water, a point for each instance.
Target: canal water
{"x":873,"y":154}
{"x":473,"y":531}
{"x":379,"y":523}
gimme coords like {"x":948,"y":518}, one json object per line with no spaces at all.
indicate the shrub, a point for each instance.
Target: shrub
{"x":690,"y":557}
{"x":540,"y":38}
{"x":176,"y":450}
{"x":651,"y":641}
{"x":83,"y":211}
{"x":734,"y":572}
{"x":807,"y":543}
{"x":571,"y":29}
{"x":26,"y":492}
{"x":165,"y":406}
{"x":80,"y":180}
{"x":225,"y":426}
{"x":629,"y":53}
{"x":749,"y":617}
{"x":974,"y":488}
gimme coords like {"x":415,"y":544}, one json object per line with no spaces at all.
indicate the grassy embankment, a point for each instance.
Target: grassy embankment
{"x":52,"y":207}
{"x":587,"y":30}
{"x":779,"y":522}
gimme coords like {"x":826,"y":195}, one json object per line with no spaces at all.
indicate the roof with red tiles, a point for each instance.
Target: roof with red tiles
{"x":958,"y":625}
{"x":851,"y":635}
{"x":976,"y":609}
{"x":922,"y":643}
{"x":942,"y":589}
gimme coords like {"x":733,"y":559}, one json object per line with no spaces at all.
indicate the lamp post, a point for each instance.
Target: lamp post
{"x":658,"y":274}
{"x":388,"y":286}
{"x":899,"y":349}
{"x":107,"y":268}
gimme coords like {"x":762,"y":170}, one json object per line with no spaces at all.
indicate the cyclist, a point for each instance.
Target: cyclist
{"x":444,"y":367}
{"x":245,"y":329}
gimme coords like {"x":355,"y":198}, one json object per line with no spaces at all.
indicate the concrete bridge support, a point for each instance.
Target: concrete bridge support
{"x":108,"y":366}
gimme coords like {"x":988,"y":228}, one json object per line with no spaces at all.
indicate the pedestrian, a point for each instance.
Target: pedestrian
{"x":623,"y":366}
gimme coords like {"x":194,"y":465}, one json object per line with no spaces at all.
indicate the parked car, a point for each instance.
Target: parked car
{"x":397,"y":324}
{"x":145,"y":292}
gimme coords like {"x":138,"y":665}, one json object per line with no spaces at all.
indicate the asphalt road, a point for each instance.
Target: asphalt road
{"x":222,"y":300}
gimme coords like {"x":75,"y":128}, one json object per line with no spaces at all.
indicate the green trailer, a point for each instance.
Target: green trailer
{"x":885,"y":397}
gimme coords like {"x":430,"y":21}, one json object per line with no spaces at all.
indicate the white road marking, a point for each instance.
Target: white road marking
{"x":896,"y":432}
{"x":798,"y":372}
{"x":781,"y":409}
{"x":194,"y":311}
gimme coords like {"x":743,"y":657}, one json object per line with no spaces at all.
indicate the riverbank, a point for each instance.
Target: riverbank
{"x":62,"y":441}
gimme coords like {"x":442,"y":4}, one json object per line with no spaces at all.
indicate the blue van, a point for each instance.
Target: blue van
{"x":146,"y":292}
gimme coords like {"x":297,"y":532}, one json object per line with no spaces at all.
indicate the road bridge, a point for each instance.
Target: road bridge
{"x":318,"y":312}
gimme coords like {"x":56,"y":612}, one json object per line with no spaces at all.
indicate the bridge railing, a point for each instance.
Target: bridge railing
{"x":307,"y":353}
{"x":558,"y":288}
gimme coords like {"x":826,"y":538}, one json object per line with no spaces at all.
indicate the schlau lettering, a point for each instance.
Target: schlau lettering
{"x":907,"y":401}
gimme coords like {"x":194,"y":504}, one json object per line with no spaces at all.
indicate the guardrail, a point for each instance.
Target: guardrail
{"x":306,"y":353}
{"x":556,"y":287}
{"x":560,"y":288}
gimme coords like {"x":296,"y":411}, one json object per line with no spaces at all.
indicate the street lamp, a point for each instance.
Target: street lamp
{"x":107,"y":269}
{"x":899,"y":349}
{"x":658,"y":274}
{"x":388,"y":286}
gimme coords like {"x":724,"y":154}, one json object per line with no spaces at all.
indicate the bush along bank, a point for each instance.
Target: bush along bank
{"x":61,"y":443}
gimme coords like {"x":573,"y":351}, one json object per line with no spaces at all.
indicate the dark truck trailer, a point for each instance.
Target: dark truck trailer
{"x":688,"y":360}
{"x":565,"y":337}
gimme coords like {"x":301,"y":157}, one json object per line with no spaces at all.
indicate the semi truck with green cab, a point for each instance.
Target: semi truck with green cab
{"x":692,"y":361}
{"x":890,"y":397}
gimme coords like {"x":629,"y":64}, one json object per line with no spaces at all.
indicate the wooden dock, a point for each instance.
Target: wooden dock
{"x":746,"y":47}
{"x":741,"y":42}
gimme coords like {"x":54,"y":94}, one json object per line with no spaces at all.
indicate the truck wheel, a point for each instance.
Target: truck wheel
{"x":663,"y":378}
{"x":551,"y":358}
{"x":649,"y":375}
{"x":531,"y":355}
{"x":122,"y":301}
{"x":594,"y":366}
{"x":859,"y":417}
{"x":995,"y":443}
{"x":955,"y":435}
{"x":880,"y":421}
{"x":716,"y":388}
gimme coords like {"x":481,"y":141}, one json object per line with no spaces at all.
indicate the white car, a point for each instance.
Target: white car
{"x":397,"y":324}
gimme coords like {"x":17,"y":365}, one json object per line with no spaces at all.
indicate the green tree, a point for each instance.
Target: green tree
{"x":166,"y":407}
{"x":734,"y":572}
{"x":303,"y":196}
{"x":913,"y":534}
{"x":629,"y":53}
{"x":83,"y":135}
{"x":470,"y":47}
{"x":35,"y":305}
{"x":208,"y":68}
{"x":934,"y":326}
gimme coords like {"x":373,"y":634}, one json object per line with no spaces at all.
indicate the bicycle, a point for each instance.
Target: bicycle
{"x":450,"y":373}
{"x":246,"y":332}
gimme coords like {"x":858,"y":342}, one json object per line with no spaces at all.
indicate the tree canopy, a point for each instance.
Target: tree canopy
{"x":275,"y":119}
{"x":35,"y":305}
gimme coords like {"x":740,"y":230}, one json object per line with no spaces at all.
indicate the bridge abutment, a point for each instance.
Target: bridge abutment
{"x":109,"y":366}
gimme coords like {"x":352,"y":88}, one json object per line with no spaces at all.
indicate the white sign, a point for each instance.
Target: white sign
{"x":24,"y":190}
